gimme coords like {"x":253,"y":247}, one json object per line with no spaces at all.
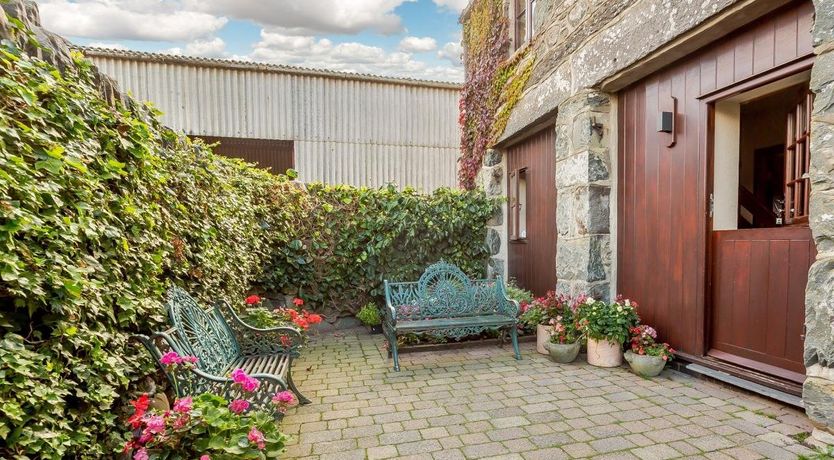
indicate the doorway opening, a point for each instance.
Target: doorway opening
{"x":762,"y":156}
{"x":761,"y":246}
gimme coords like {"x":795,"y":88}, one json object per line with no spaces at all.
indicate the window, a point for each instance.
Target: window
{"x":518,"y":204}
{"x":797,"y":162}
{"x":524,"y":11}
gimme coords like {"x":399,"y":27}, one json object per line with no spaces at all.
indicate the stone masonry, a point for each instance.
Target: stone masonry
{"x":583,"y":252}
{"x":818,"y":391}
{"x":493,"y":180}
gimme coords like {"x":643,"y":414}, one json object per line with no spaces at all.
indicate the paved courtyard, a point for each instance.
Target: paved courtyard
{"x":480,"y":402}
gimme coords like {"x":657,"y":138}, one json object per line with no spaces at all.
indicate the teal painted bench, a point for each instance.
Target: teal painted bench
{"x":445,"y":302}
{"x":220,"y":347}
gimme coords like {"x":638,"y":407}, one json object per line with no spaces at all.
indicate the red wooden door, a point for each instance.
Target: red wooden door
{"x":531,"y":213}
{"x":758,"y":298}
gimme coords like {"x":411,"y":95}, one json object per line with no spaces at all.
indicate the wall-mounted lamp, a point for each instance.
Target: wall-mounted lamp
{"x":666,"y":122}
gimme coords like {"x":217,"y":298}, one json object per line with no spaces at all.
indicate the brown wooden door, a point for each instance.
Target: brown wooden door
{"x":531,"y":213}
{"x":758,"y":298}
{"x":759,"y":274}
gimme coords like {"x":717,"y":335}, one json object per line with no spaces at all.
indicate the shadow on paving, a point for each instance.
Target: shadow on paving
{"x":480,"y":403}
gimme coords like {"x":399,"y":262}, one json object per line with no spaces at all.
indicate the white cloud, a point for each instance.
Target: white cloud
{"x":213,"y":48}
{"x":307,"y":17}
{"x":452,"y":52}
{"x":454,"y":5}
{"x":418,"y":44}
{"x":112,"y":46}
{"x":130,"y":20}
{"x":279,"y":48}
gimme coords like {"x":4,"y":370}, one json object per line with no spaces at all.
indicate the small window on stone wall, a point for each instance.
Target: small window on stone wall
{"x":523,"y":14}
{"x":518,"y":204}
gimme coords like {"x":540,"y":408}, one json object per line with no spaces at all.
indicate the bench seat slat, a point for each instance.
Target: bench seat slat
{"x":263,"y":364}
{"x":460,"y":321}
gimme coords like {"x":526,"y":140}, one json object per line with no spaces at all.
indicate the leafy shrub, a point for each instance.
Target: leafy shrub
{"x":344,"y":241}
{"x":102,"y":208}
{"x":607,"y":321}
{"x":369,"y":315}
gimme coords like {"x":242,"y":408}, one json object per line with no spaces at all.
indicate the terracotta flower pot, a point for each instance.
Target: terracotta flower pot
{"x":563,"y":352}
{"x":543,"y":334}
{"x":604,"y":353}
{"x":644,"y":365}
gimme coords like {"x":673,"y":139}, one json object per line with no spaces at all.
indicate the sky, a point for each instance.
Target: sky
{"x":404,"y":38}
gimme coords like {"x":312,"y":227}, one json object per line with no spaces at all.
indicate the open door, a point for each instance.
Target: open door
{"x":762,"y":247}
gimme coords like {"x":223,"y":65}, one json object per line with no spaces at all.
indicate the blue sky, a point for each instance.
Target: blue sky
{"x":411,"y":38}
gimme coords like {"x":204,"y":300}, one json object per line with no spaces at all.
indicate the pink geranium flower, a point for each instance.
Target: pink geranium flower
{"x":239,"y":406}
{"x":171,"y":358}
{"x":205,"y":457}
{"x":183,"y":405}
{"x":283,"y":397}
{"x":155,"y":424}
{"x":257,"y":437}
{"x":247,"y":383}
{"x":141,"y":454}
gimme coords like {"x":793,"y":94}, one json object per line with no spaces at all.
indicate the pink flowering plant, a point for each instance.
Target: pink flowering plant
{"x":206,"y":426}
{"x":545,"y":311}
{"x":643,"y":342}
{"x":203,"y":426}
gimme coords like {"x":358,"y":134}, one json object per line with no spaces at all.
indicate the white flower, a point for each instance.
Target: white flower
{"x":619,"y":308}
{"x":628,"y":303}
{"x":590,"y":301}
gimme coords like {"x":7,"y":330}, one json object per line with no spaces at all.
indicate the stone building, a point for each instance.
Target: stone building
{"x":680,"y":153}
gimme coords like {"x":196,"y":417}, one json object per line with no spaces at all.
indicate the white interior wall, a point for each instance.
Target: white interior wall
{"x":726,"y":161}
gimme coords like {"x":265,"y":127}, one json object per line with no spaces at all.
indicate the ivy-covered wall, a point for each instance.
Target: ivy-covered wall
{"x":495,"y":81}
{"x":102,"y":208}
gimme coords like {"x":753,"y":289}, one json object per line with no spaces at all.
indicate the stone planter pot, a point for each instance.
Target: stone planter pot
{"x":543,"y":334}
{"x":603,"y":353}
{"x":643,"y":365}
{"x":563,"y":352}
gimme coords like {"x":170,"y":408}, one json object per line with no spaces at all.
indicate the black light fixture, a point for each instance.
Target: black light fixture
{"x":666,"y":122}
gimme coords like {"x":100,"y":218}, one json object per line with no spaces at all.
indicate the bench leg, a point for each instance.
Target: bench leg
{"x":301,"y":398}
{"x":392,"y":346}
{"x":514,"y":335}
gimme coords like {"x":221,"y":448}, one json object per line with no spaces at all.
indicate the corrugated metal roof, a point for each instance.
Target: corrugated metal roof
{"x":258,"y":66}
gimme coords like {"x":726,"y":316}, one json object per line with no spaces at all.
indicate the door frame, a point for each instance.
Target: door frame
{"x":709,"y":99}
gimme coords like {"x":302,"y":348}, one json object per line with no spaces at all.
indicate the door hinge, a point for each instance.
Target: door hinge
{"x":711,"y":204}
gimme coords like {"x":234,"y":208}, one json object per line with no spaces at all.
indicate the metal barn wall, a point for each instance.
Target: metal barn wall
{"x":360,"y":131}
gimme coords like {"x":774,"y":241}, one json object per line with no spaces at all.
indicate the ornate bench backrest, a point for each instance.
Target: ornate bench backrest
{"x":201,"y":333}
{"x":444,"y":291}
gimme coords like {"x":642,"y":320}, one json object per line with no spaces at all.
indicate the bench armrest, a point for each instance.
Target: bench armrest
{"x":389,"y":310}
{"x":258,"y":341}
{"x":507,"y":305}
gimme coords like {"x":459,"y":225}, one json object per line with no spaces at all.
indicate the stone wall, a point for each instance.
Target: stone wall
{"x":818,"y":391}
{"x":492,"y":178}
{"x":583,"y":189}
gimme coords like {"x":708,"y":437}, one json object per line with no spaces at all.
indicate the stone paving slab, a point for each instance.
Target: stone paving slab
{"x":479,"y":402}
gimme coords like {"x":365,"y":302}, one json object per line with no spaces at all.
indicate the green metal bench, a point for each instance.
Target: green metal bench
{"x":446,"y":302}
{"x":222,"y":347}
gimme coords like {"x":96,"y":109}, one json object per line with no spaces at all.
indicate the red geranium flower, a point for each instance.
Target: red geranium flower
{"x":314,"y":318}
{"x":297,"y":302}
{"x":252,"y":299}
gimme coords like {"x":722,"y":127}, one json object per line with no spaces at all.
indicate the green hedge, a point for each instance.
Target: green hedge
{"x":102,"y":208}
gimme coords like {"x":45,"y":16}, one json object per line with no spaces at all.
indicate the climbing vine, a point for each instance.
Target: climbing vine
{"x":494,"y":83}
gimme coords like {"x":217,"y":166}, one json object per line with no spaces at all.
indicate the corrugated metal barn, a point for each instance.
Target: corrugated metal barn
{"x":338,"y":128}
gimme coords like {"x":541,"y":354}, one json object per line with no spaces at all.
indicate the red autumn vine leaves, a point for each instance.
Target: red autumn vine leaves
{"x":486,"y":38}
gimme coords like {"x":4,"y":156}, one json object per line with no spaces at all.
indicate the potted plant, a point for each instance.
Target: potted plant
{"x":646,"y":357}
{"x":369,"y":316}
{"x":565,"y":341}
{"x":607,"y":327}
{"x":538,"y":316}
